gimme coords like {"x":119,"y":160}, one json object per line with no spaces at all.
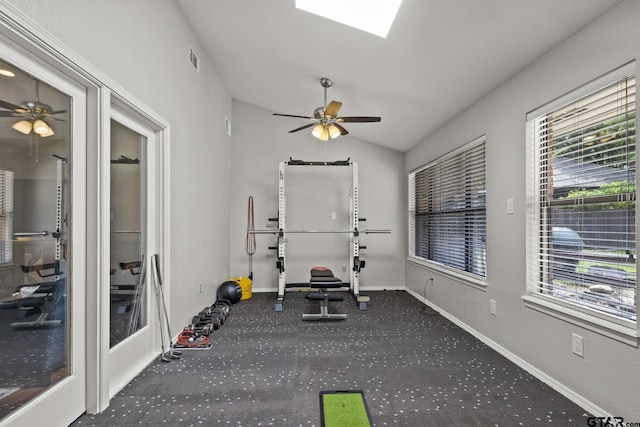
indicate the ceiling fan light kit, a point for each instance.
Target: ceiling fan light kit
{"x":23,"y":126}
{"x":320,"y":132}
{"x":38,"y":126}
{"x":42,"y":128}
{"x":326,"y":120}
{"x":33,"y":114}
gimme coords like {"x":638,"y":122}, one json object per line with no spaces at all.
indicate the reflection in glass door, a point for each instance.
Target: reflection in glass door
{"x":35,"y":283}
{"x":128,"y":263}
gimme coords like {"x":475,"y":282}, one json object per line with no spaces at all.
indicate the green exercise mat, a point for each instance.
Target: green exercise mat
{"x":344,"y":408}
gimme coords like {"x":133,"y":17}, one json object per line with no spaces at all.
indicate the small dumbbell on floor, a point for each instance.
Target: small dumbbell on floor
{"x":213,"y":316}
{"x":199,"y":326}
{"x":224,"y":305}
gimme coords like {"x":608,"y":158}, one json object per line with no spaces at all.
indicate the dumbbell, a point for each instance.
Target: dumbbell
{"x":213,"y":316}
{"x":210,"y":313}
{"x":224,"y":305}
{"x":200,"y":325}
{"x":198,"y":330}
{"x":217,"y":311}
{"x":207,"y":317}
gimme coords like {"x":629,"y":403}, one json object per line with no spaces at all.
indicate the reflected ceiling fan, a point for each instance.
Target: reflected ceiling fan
{"x":326,"y":122}
{"x":33,"y":115}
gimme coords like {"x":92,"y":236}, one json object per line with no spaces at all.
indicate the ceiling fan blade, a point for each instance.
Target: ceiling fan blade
{"x":57,"y":112}
{"x":332,"y":109}
{"x":293,"y":115}
{"x":10,"y":106}
{"x":358,"y":119}
{"x":11,"y":114}
{"x":302,"y":127}
{"x":343,"y":131}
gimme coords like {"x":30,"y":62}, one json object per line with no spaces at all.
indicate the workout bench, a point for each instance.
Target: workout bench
{"x":323,"y":279}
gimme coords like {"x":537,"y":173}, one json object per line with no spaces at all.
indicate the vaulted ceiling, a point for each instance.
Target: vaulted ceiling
{"x":440,"y":57}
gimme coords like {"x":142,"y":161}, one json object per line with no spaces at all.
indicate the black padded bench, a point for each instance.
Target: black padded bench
{"x":323,"y":279}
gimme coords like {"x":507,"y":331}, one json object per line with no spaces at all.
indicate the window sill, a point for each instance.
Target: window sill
{"x":451,"y":273}
{"x":619,"y":331}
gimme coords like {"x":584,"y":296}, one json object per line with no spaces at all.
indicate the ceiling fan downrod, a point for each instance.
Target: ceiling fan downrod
{"x":326,"y":83}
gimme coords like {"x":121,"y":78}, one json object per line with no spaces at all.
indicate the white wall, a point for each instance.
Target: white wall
{"x":143,"y":46}
{"x":607,"y":376}
{"x":259,"y":143}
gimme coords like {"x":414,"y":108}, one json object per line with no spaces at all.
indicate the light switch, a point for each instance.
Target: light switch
{"x":510,"y":206}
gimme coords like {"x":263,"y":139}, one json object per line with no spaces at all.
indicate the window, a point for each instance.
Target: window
{"x":6,"y":216}
{"x":581,"y":219}
{"x":374,"y":17}
{"x":447,"y":211}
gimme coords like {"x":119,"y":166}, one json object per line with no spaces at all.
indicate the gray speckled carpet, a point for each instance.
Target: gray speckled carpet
{"x":267,"y":369}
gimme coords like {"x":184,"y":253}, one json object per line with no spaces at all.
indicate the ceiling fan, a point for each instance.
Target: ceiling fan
{"x":33,"y":115}
{"x":325,"y":119}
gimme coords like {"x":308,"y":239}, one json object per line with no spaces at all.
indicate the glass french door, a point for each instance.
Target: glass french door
{"x":133,"y":211}
{"x":42,"y":252}
{"x":128,"y":258}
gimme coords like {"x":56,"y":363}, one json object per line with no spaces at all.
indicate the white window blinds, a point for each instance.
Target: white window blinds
{"x":447,"y":210}
{"x":6,"y":216}
{"x":585,"y":196}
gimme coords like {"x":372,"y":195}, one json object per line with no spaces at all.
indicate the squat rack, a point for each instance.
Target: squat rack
{"x":49,"y":293}
{"x":354,"y":244}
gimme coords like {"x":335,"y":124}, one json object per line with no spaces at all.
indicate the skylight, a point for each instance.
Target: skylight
{"x":372,"y":16}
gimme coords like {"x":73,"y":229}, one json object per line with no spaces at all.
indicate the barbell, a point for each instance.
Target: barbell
{"x":279,"y":231}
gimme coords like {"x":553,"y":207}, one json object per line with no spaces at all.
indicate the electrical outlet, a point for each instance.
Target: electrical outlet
{"x":492,"y":307}
{"x":577,"y":343}
{"x":344,"y":268}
